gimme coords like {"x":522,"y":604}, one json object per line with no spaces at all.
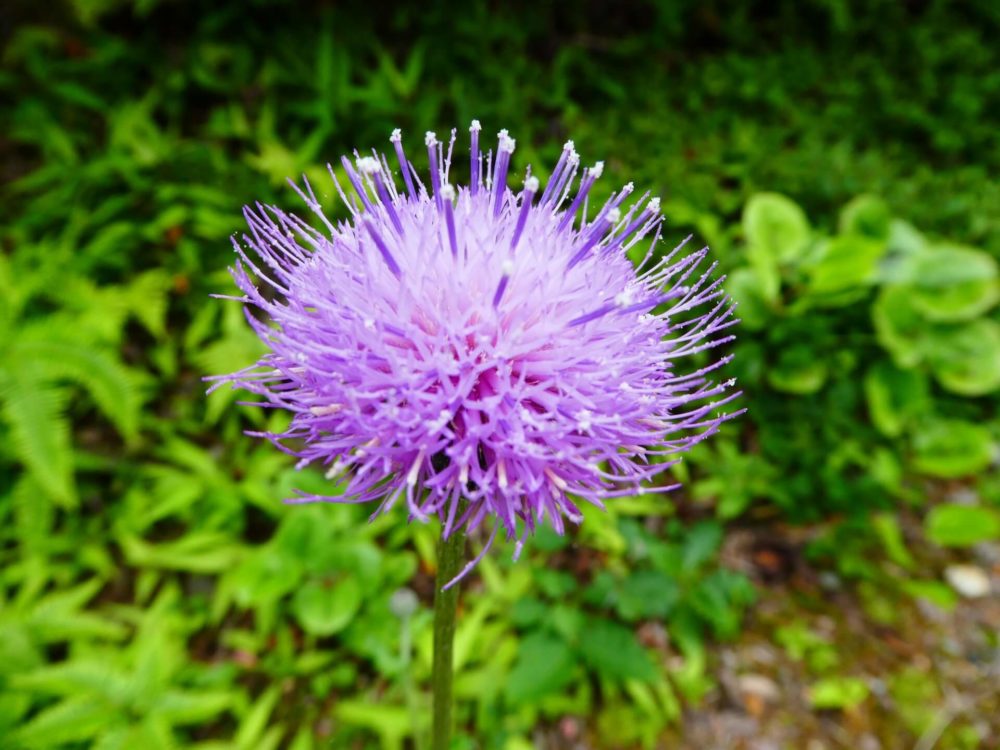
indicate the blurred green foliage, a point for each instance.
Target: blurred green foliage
{"x":155,"y":592}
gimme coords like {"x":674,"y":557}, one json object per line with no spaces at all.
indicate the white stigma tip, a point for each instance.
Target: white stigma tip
{"x":597,"y":170}
{"x":531,"y":184}
{"x":507,"y":267}
{"x":323,"y":411}
{"x":397,"y":136}
{"x":569,"y":146}
{"x":654,"y":205}
{"x":430,"y":138}
{"x":556,"y":480}
{"x":448,"y":192}
{"x":414,"y":473}
{"x":614,"y":215}
{"x":335,"y":469}
{"x":369,"y":165}
{"x":475,"y":126}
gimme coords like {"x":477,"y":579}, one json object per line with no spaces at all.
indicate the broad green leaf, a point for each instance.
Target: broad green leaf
{"x":844,"y":269}
{"x":965,"y":358}
{"x":950,"y":448}
{"x":895,"y":397}
{"x":904,"y":238}
{"x":545,"y":665}
{"x":866,"y":216}
{"x":961,"y":525}
{"x":324,"y":608}
{"x":613,"y":652}
{"x":748,"y":292}
{"x":266,"y":575}
{"x":776,"y":228}
{"x":798,"y":371}
{"x":952,"y":283}
{"x":899,"y":327}
{"x":838,"y":693}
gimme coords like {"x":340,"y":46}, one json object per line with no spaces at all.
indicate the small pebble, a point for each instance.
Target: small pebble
{"x":758,"y":684}
{"x":968,"y":580}
{"x":829,"y":580}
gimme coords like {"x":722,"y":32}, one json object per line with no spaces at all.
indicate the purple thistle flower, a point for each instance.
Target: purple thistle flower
{"x":481,"y":354}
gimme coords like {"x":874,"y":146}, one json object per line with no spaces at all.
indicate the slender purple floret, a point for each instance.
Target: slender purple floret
{"x":479,"y":354}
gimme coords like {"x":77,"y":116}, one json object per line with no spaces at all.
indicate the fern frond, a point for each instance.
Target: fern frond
{"x":147,"y":300}
{"x":40,"y":435}
{"x":238,"y":345}
{"x":108,"y":382}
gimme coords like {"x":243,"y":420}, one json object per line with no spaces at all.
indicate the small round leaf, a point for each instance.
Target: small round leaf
{"x":965,"y":359}
{"x":775,"y":227}
{"x":324,"y":608}
{"x":952,"y":283}
{"x":961,"y":525}
{"x":951,"y":448}
{"x":866,"y":216}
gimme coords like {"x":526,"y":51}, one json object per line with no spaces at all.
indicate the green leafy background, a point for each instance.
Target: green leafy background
{"x":839,"y":157}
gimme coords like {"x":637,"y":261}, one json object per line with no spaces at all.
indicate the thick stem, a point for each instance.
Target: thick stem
{"x":449,"y":554}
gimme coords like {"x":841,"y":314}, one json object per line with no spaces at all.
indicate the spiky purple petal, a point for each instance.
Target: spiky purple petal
{"x":476,"y":354}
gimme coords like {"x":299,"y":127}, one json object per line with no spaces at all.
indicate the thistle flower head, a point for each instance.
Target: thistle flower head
{"x":481,"y":353}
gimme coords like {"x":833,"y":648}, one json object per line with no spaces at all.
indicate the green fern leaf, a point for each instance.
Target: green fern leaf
{"x":108,"y":382}
{"x":40,"y":435}
{"x":147,"y":300}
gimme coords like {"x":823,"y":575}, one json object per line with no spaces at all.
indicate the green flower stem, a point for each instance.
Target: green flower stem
{"x":449,"y":558}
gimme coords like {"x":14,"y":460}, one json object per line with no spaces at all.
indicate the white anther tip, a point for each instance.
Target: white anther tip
{"x":654,"y":205}
{"x":531,"y":184}
{"x":369,"y":165}
{"x":507,"y":267}
{"x":614,"y":215}
{"x":569,"y":146}
{"x":397,"y":136}
{"x":475,"y":127}
{"x":574,"y":158}
{"x":430,"y":138}
{"x":597,"y":170}
{"x":448,"y":192}
{"x":624,"y":298}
